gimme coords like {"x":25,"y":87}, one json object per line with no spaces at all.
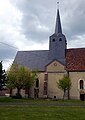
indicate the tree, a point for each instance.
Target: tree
{"x":2,"y":77}
{"x":65,"y":85}
{"x":20,"y":77}
{"x":30,"y":80}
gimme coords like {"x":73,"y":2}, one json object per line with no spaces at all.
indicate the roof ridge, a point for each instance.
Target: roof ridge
{"x":32,"y":50}
{"x":75,"y":48}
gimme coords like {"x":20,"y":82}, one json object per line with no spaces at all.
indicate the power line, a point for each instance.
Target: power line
{"x":17,"y":49}
{"x":9,"y":45}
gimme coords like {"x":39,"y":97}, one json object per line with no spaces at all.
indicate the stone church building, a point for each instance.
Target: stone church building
{"x":53,"y":64}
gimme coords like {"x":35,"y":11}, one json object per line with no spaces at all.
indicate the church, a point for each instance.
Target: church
{"x":53,"y":64}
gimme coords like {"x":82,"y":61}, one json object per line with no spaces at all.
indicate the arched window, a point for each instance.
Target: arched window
{"x":53,"y":40}
{"x":60,"y":39}
{"x":81,"y":84}
{"x":37,"y":83}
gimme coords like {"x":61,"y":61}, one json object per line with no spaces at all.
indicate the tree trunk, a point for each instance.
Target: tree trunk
{"x":28,"y":93}
{"x":18,"y":95}
{"x":18,"y":91}
{"x":68,"y":94}
{"x":10,"y":92}
{"x":63,"y":95}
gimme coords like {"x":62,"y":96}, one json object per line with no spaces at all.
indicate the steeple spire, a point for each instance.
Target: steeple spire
{"x":58,"y":28}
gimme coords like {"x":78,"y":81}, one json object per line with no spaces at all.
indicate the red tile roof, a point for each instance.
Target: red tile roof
{"x":75,"y":59}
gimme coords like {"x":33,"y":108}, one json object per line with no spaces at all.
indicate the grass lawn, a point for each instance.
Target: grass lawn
{"x":9,"y":100}
{"x":41,"y":112}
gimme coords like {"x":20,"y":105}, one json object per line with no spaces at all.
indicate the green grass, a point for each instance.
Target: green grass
{"x":42,"y":113}
{"x":10,"y":100}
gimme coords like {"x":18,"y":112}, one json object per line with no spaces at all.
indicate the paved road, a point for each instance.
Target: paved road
{"x":81,"y":105}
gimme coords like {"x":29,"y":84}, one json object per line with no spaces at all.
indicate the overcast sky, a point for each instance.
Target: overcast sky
{"x":27,"y":25}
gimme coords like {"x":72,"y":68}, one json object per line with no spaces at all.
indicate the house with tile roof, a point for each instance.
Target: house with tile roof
{"x":53,"y":64}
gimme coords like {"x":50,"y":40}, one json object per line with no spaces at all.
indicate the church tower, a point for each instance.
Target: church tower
{"x":57,"y":41}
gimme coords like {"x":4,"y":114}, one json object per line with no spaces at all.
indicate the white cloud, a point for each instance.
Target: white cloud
{"x":27,"y":24}
{"x":10,"y":21}
{"x":7,"y":63}
{"x":77,"y":42}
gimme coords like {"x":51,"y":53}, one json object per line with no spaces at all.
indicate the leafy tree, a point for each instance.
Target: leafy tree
{"x":65,"y":85}
{"x":2,"y":77}
{"x":20,"y":77}
{"x":30,"y":80}
{"x":11,"y":77}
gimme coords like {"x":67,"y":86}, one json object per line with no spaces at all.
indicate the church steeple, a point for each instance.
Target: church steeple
{"x":58,"y":28}
{"x":57,"y":41}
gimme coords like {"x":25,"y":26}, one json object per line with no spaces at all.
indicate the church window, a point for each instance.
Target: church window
{"x":53,"y":40}
{"x":60,"y":39}
{"x":37,"y":83}
{"x":81,"y":84}
{"x":45,"y":83}
{"x":46,"y":77}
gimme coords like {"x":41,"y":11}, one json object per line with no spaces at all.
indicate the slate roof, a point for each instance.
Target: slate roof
{"x":75,"y":59}
{"x":33,"y":59}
